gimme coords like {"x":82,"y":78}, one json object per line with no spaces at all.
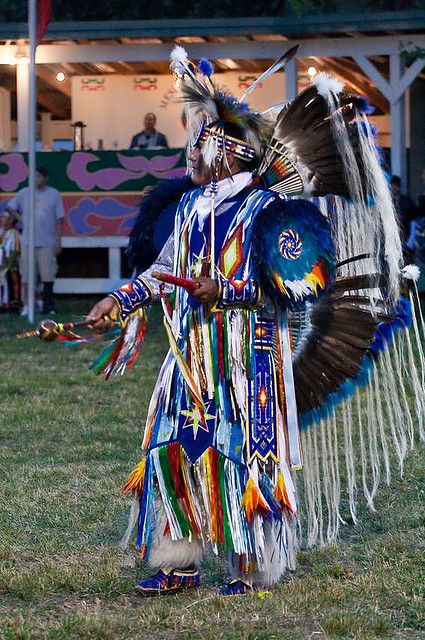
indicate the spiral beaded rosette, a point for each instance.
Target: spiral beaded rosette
{"x":290,"y":245}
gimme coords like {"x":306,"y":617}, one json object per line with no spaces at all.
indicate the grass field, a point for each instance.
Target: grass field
{"x":68,"y":441}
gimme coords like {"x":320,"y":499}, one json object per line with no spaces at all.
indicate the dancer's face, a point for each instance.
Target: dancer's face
{"x":200,"y":174}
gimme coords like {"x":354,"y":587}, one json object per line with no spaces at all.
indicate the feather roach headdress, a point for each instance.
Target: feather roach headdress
{"x":218,"y":121}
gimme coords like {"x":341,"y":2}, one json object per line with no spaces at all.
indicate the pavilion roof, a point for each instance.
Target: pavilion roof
{"x":265,"y":31}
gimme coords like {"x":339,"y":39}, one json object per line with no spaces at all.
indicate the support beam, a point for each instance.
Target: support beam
{"x":395,"y":88}
{"x":334,"y":47}
{"x":5,"y":120}
{"x":46,"y":136}
{"x":372,"y":72}
{"x":22,"y":100}
{"x":412,"y":72}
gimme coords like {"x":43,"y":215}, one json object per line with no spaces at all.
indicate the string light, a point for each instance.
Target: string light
{"x":60,"y":76}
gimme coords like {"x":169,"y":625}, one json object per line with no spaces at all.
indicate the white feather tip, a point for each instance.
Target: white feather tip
{"x":327,"y":85}
{"x":178,"y":55}
{"x":411,"y":272}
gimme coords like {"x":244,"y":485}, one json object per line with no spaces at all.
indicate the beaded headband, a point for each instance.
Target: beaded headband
{"x":234,"y":146}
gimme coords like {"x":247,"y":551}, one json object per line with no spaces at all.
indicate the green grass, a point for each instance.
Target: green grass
{"x":67,"y":443}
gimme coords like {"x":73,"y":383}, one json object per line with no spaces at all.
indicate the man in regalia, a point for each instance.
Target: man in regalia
{"x":222,"y":437}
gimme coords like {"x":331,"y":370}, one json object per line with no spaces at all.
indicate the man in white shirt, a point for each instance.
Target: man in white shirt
{"x":49,"y":214}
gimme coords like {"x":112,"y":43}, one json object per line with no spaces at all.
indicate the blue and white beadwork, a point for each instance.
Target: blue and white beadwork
{"x":290,"y":244}
{"x":132,"y":296}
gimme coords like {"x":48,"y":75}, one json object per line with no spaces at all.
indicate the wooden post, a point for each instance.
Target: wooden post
{"x":22,"y":100}
{"x":398,"y":121}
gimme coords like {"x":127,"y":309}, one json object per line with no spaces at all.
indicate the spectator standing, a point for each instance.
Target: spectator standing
{"x":149,"y":138}
{"x":48,"y":219}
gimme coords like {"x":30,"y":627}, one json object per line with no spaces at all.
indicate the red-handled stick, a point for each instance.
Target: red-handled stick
{"x":187,"y":283}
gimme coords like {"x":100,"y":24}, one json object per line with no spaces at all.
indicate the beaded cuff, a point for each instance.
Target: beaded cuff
{"x":131,"y":296}
{"x":237,"y":293}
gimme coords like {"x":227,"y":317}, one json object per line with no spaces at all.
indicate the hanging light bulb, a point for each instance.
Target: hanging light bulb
{"x":60,"y":76}
{"x":312,"y":71}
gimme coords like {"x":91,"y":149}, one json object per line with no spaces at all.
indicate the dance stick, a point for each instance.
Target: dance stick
{"x":48,"y":330}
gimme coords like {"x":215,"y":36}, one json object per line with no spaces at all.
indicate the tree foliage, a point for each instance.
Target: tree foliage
{"x":16,"y":11}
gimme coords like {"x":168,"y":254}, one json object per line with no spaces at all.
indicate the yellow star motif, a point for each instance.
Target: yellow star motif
{"x":197,"y":419}
{"x":196,"y":268}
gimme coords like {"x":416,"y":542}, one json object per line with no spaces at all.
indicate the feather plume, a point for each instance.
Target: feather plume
{"x":206,"y":67}
{"x":279,"y":64}
{"x":411,"y":272}
{"x":178,"y":55}
{"x":327,"y":85}
{"x":305,"y":132}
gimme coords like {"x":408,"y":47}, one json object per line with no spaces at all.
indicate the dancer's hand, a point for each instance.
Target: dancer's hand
{"x":207,"y":291}
{"x":97,"y":319}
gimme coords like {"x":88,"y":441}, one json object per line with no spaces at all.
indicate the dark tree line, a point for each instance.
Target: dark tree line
{"x":16,"y":10}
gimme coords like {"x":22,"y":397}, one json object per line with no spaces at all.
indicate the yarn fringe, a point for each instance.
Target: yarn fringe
{"x":355,"y":445}
{"x":123,"y":351}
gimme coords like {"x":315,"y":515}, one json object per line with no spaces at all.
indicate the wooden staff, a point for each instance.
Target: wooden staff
{"x":187,"y":283}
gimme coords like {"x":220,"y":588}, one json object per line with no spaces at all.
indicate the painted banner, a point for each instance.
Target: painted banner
{"x":101,"y":190}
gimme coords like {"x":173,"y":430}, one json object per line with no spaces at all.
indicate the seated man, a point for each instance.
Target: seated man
{"x":149,"y":138}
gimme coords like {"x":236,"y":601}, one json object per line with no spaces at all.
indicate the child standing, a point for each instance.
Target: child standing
{"x":10,"y":247}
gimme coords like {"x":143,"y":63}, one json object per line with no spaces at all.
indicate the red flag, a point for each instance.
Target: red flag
{"x":44,"y":15}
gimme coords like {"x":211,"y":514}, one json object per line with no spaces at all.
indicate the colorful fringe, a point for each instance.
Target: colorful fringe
{"x":121,"y":354}
{"x":231,"y":500}
{"x":254,"y":503}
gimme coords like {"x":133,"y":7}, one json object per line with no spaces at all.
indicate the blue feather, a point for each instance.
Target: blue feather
{"x":157,"y":211}
{"x":364,"y":106}
{"x":206,"y":67}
